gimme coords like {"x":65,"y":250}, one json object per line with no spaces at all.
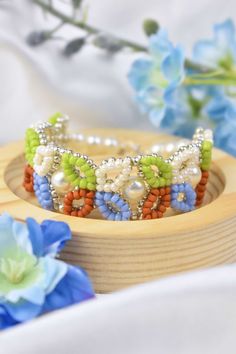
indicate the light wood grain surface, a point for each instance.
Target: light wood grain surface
{"x":119,"y":254}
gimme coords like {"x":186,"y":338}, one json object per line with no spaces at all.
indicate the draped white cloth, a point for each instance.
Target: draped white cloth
{"x":194,"y":313}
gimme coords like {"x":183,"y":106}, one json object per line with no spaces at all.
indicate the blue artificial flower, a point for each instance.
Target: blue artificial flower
{"x":32,"y":281}
{"x":219,"y":52}
{"x":205,"y":106}
{"x":156,"y":79}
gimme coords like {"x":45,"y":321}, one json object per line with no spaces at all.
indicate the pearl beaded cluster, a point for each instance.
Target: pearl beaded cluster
{"x":185,"y":166}
{"x":141,"y":187}
{"x":43,"y":160}
{"x":103,"y":184}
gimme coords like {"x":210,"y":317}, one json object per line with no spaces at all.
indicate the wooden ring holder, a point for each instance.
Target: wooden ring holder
{"x":119,"y":254}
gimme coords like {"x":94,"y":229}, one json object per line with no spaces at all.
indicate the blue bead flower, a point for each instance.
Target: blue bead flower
{"x":32,"y":281}
{"x":42,"y":191}
{"x":112,"y":206}
{"x":219,"y":52}
{"x":183,"y":197}
{"x":156,"y":79}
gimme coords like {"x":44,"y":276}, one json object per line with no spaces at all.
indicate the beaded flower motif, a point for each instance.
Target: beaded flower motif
{"x":76,"y":166}
{"x":84,"y":200}
{"x":183,"y":197}
{"x":112,"y":206}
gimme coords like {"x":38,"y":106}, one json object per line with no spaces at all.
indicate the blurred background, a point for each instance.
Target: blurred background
{"x":91,"y":87}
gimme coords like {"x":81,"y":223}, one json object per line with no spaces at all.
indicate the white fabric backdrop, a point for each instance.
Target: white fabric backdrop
{"x":189,"y":314}
{"x":36,"y":82}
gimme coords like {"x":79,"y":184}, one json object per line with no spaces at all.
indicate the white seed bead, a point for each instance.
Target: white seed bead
{"x":107,"y":187}
{"x":99,"y":188}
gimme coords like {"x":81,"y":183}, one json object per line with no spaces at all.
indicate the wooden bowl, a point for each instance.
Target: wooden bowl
{"x":119,"y":254}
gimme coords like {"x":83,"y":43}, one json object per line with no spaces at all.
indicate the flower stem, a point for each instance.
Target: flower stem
{"x":189,"y":64}
{"x":221,"y":81}
{"x":84,"y":26}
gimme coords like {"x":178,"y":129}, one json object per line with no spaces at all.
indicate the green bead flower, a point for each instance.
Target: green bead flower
{"x":206,"y":153}
{"x":54,"y":117}
{"x":31,"y":144}
{"x":157,"y":172}
{"x":78,"y":172}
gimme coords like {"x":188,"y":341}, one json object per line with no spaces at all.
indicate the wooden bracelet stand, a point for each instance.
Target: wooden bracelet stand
{"x":119,"y":254}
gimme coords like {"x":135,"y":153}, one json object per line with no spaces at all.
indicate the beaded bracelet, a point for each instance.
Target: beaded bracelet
{"x":144,"y":187}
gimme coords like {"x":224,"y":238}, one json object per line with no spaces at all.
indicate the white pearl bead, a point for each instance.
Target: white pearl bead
{"x":134,"y":188}
{"x":59,"y":183}
{"x":195,"y":175}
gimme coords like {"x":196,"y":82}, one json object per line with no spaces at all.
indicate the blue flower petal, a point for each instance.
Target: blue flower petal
{"x":36,"y":237}
{"x":38,"y":276}
{"x":173,"y":65}
{"x":49,"y":238}
{"x":159,"y":45}
{"x":206,"y":53}
{"x":56,"y":234}
{"x":73,"y":288}
{"x":5,"y":319}
{"x":23,"y":310}
{"x":7,"y":237}
{"x":221,"y":50}
{"x":139,"y":73}
{"x":217,"y":108}
{"x":224,"y":34}
{"x":34,"y":294}
{"x":157,"y":116}
{"x":224,"y":135}
{"x":156,"y":80}
{"x":22,"y":238}
{"x":54,"y":271}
